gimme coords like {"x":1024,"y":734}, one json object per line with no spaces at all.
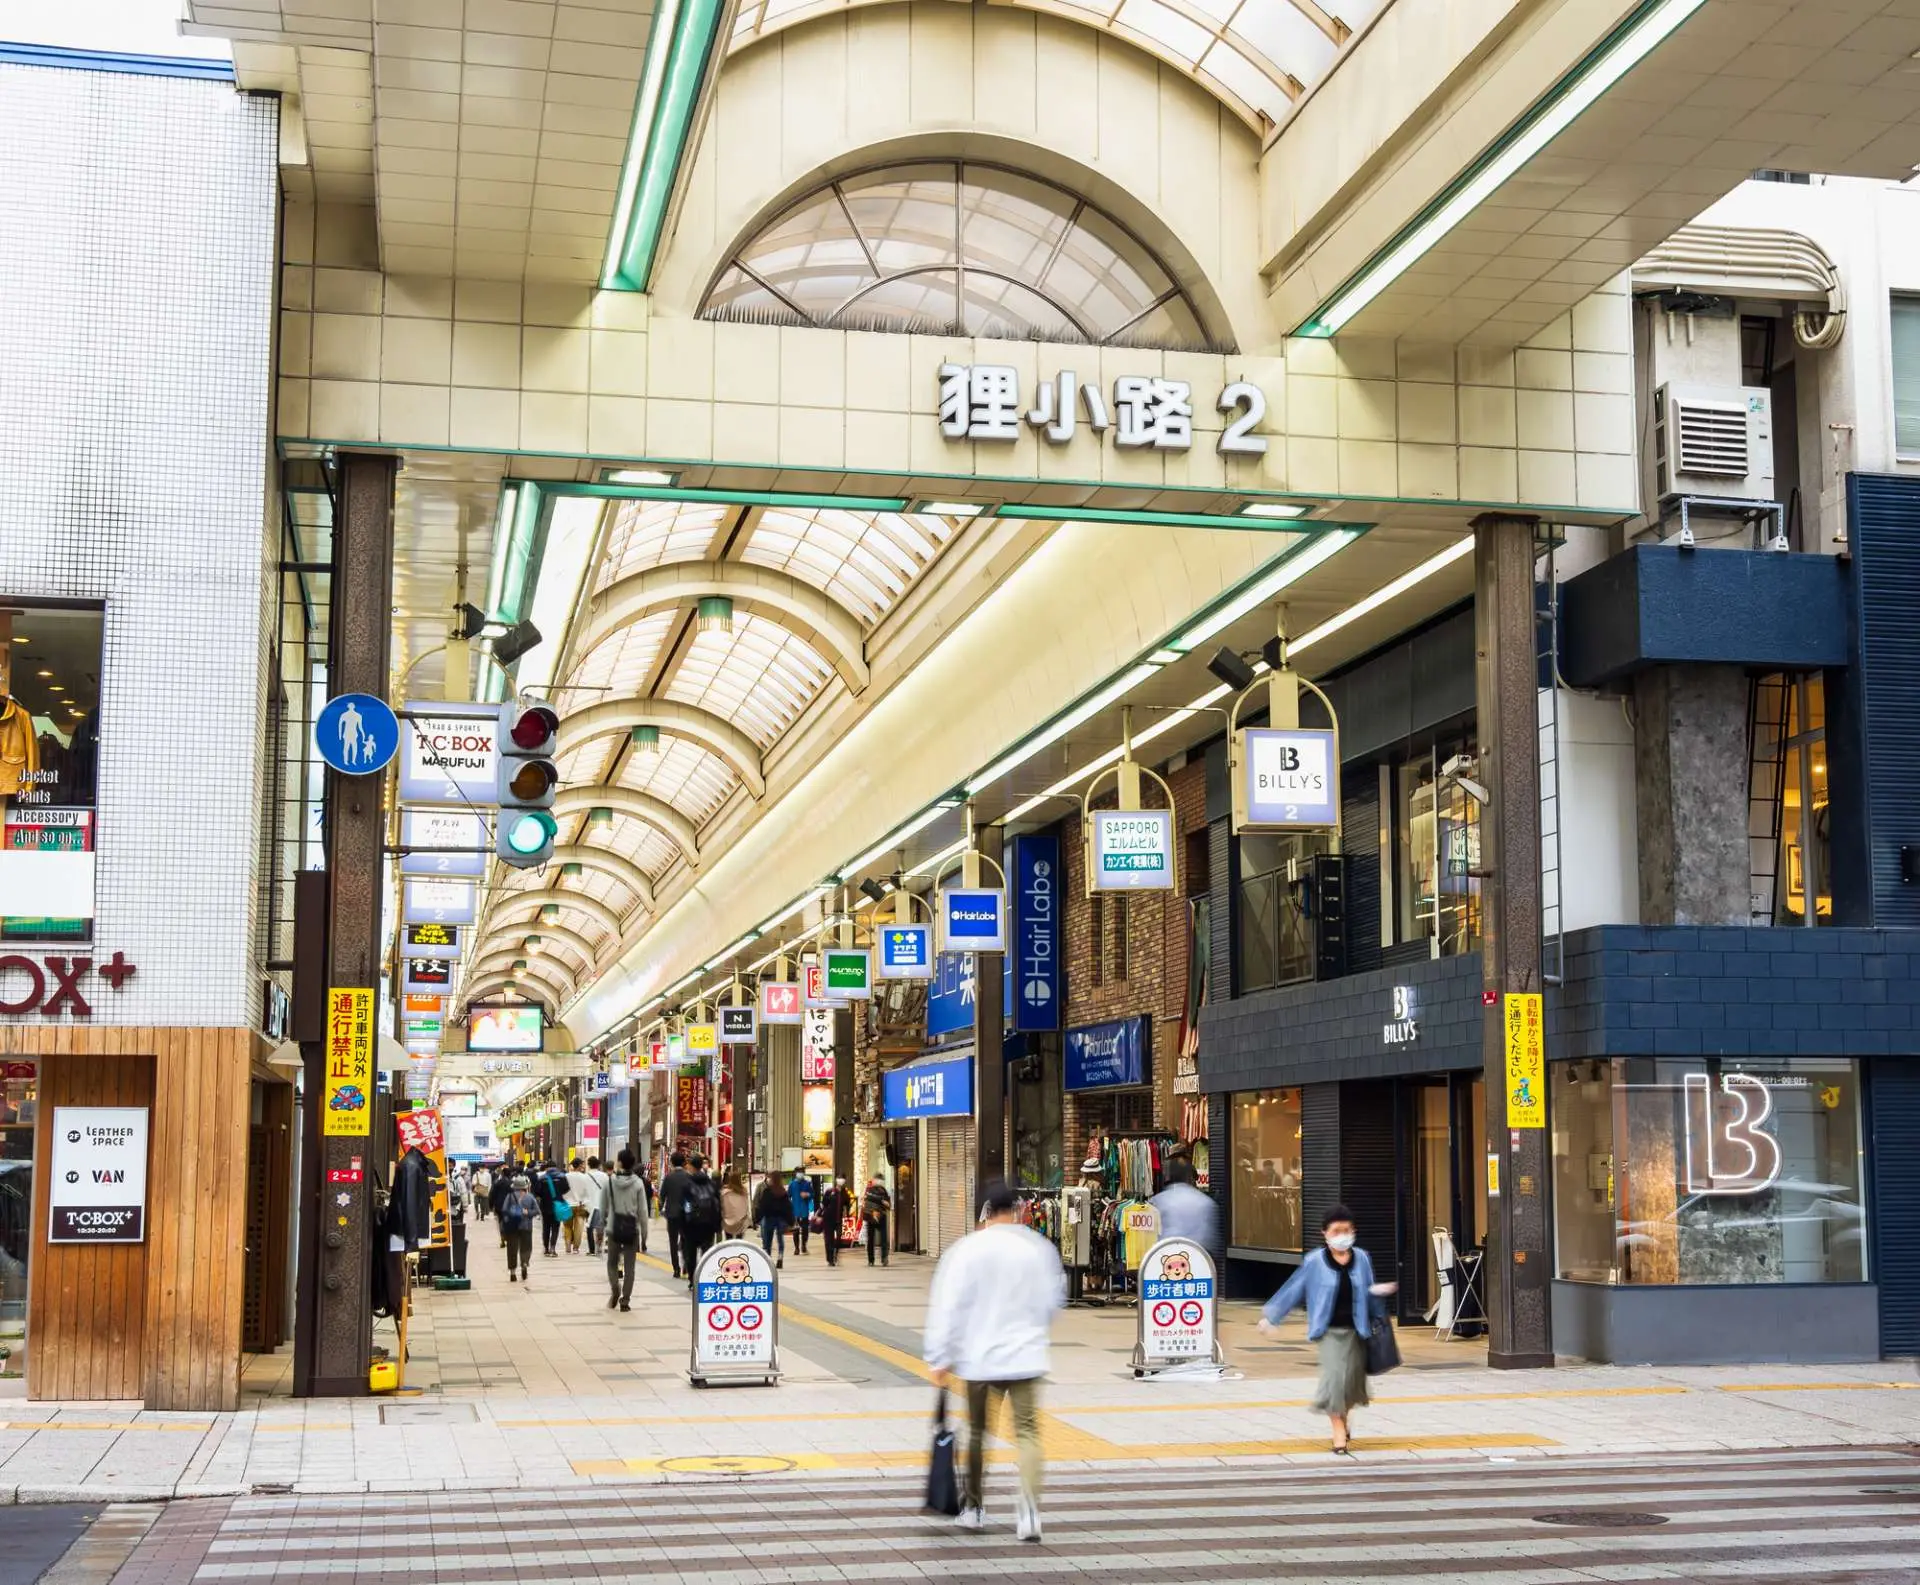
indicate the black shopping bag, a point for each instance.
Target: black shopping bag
{"x":943,"y":1479}
{"x":1383,"y":1348}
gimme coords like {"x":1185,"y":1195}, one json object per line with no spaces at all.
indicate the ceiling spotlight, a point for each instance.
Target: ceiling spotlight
{"x":948,"y":508}
{"x":572,"y":871}
{"x":872,"y":890}
{"x":716,"y":614}
{"x":646,"y":739}
{"x":515,"y":642}
{"x":600,"y":815}
{"x":43,"y":673}
{"x":1231,"y":669}
{"x":549,"y":913}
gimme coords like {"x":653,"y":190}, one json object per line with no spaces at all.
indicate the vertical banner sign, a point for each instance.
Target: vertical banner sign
{"x":424,"y":1131}
{"x":98,"y":1186}
{"x":734,"y":1307}
{"x":1035,"y":976}
{"x":1526,"y":1060}
{"x":1179,"y":1305}
{"x":349,"y":1057}
{"x":690,"y":1114}
{"x":816,"y":1047}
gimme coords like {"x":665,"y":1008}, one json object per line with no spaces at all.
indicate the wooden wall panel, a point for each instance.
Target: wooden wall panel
{"x":158,"y":1321}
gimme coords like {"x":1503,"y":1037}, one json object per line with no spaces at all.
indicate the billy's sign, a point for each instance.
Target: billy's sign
{"x":50,"y":984}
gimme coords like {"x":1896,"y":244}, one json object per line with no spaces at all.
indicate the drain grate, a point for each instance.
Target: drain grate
{"x":1602,"y":1518}
{"x":427,"y":1414}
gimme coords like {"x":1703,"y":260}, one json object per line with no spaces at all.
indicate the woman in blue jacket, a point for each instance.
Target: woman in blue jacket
{"x":1335,"y":1287}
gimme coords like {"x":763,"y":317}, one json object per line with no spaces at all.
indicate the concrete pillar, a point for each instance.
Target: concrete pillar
{"x":335,"y":1325}
{"x":1518,"y":1269}
{"x":1691,"y":795}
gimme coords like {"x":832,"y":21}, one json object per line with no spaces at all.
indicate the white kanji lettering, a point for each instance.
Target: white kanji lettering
{"x":1055,"y":412}
{"x":1153,"y":412}
{"x":979,"y":401}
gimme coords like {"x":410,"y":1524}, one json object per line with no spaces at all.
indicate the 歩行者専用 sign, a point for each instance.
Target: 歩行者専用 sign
{"x":735,"y":1302}
{"x":1178,"y":1304}
{"x":347,"y":1105}
{"x":97,"y":1188}
{"x":1131,"y":850}
{"x":973,"y":919}
{"x":1286,"y":780}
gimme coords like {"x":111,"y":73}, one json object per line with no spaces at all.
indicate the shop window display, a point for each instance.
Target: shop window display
{"x":1437,"y":846}
{"x":1708,"y":1170}
{"x":19,"y":1106}
{"x":1264,"y":1138}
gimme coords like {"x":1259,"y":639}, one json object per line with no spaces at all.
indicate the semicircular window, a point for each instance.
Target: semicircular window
{"x":950,"y":248}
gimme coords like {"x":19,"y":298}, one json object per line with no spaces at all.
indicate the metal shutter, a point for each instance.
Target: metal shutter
{"x":1893,"y":1096}
{"x":950,"y":1141}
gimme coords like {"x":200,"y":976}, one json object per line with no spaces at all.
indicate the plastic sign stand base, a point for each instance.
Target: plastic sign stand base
{"x":736,"y":1318}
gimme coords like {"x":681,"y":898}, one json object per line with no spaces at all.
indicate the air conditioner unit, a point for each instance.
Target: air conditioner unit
{"x":1713,"y":440}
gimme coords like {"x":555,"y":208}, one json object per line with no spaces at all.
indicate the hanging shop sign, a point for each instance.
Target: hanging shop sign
{"x":848,"y":973}
{"x":982,"y":401}
{"x":906,"y":952}
{"x":1526,"y":1059}
{"x":929,"y":1089}
{"x":443,"y":842}
{"x":422,"y":1030}
{"x":427,"y":974}
{"x":97,"y":1190}
{"x":50,"y":753}
{"x":691,"y":1112}
{"x":50,"y":984}
{"x":781,"y":1002}
{"x":736,"y":1308}
{"x":356,"y":734}
{"x":737,"y":1026}
{"x":973,"y":919}
{"x":348,"y":1109}
{"x":449,"y":755}
{"x":1109,"y":1056}
{"x":423,"y":1005}
{"x":431,"y":941}
{"x":1130,"y":850}
{"x":677,"y":1054}
{"x":1285,"y":780}
{"x":817,"y":1047}
{"x":813,"y":980}
{"x":703,"y":1041}
{"x":1034,"y":978}
{"x":424,"y":1130}
{"x":1179,"y":1313}
{"x":438,"y":902}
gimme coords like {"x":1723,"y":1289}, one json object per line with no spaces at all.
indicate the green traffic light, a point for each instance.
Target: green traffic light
{"x":530,"y":831}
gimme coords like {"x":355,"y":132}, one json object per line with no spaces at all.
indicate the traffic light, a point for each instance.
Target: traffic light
{"x":528,"y":780}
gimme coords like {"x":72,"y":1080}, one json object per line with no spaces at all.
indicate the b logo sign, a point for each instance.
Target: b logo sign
{"x":1727,"y":1150}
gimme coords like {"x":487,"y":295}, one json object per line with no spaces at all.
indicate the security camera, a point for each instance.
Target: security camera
{"x":1458,"y":766}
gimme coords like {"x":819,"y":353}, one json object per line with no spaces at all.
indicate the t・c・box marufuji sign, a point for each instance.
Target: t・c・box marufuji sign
{"x":449,"y":755}
{"x":98,"y":1192}
{"x":1286,"y":779}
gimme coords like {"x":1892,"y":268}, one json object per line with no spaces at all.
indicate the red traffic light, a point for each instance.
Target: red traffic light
{"x":534,"y":727}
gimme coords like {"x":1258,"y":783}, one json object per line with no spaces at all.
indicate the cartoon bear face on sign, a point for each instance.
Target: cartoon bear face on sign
{"x":735,"y":1268}
{"x":1175,"y":1266}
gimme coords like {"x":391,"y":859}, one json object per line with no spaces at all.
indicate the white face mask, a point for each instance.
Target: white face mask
{"x":1340,"y":1241}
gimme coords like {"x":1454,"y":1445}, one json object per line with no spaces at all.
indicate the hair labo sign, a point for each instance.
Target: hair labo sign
{"x":1108,"y":1056}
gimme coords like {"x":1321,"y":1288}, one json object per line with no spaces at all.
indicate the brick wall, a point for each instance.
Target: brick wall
{"x":1157,"y":930}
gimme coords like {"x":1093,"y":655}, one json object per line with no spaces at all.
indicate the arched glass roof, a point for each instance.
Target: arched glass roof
{"x":945,"y":246}
{"x":1258,"y":56}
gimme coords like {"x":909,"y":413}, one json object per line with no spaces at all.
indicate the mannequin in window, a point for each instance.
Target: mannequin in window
{"x":19,"y":753}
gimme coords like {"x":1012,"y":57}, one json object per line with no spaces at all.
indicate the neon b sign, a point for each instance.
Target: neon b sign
{"x":1728,"y":1152}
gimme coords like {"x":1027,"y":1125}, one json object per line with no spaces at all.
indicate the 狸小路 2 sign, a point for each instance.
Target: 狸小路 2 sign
{"x":1130,"y":850}
{"x":98,"y":1184}
{"x":1286,"y":779}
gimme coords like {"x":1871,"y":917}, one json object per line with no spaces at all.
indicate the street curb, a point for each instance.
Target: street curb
{"x":24,"y":1495}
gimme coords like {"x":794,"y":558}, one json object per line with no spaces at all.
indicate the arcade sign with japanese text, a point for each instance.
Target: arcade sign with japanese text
{"x":981,"y":401}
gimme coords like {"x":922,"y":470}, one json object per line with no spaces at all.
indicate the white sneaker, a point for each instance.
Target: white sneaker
{"x":971,"y":1519}
{"x":1026,"y":1524}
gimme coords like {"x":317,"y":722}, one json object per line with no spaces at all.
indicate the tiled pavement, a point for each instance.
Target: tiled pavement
{"x":542,"y":1386}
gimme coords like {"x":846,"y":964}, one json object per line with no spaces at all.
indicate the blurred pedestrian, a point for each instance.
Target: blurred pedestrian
{"x":673,"y":1206}
{"x":1186,"y":1210}
{"x":800,"y":1192}
{"x":876,"y":1210}
{"x":702,"y":1225}
{"x":1335,"y":1286}
{"x":625,"y":1205}
{"x":773,"y":1212}
{"x":736,"y":1210}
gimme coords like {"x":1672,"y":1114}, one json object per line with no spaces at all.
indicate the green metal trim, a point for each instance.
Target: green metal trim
{"x":1313,"y":326}
{"x":1106,"y":514}
{"x":798,"y":499}
{"x":517,"y":551}
{"x":660,"y":147}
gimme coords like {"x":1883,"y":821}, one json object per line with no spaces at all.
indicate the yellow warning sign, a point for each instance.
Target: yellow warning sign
{"x":1526,"y":1060}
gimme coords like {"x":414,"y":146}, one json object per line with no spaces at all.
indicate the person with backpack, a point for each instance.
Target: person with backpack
{"x":519,"y":1210}
{"x":624,"y":1203}
{"x":673,"y":1206}
{"x":876,"y":1207}
{"x":800,"y":1193}
{"x":548,"y":1194}
{"x":702,"y":1224}
{"x":497,"y":1195}
{"x":773,"y":1212}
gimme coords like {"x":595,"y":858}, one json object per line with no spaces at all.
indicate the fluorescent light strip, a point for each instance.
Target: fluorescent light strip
{"x":1054,"y":731}
{"x":639,"y":140}
{"x":1380,"y":596}
{"x":1109,"y":514}
{"x":814,"y":896}
{"x":1577,"y":93}
{"x":899,"y":838}
{"x":726,"y":952}
{"x":798,"y":499}
{"x":1315,"y":553}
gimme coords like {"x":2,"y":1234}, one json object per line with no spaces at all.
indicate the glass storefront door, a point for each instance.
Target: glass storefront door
{"x":19,"y":1108}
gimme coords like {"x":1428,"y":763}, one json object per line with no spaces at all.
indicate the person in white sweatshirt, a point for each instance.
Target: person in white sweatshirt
{"x":990,"y":1323}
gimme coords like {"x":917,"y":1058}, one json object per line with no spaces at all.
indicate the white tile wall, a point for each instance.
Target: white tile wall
{"x":137,"y":238}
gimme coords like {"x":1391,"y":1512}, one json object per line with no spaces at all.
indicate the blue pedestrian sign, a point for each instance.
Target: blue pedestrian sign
{"x":357,"y":734}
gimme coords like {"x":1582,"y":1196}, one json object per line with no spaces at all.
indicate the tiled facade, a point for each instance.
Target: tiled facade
{"x":136,"y":285}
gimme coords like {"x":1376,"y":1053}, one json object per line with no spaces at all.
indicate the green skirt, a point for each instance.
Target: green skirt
{"x":1343,"y":1372}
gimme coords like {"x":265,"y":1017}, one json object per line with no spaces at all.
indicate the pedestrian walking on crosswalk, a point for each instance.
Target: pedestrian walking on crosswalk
{"x":1336,"y":1288}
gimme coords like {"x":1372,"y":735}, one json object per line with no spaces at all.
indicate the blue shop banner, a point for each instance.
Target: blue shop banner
{"x":1034,"y":973}
{"x":950,"y":995}
{"x":929,"y":1089}
{"x":1109,"y":1056}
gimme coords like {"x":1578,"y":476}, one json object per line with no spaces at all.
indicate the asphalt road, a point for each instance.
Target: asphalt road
{"x":33,"y":1538}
